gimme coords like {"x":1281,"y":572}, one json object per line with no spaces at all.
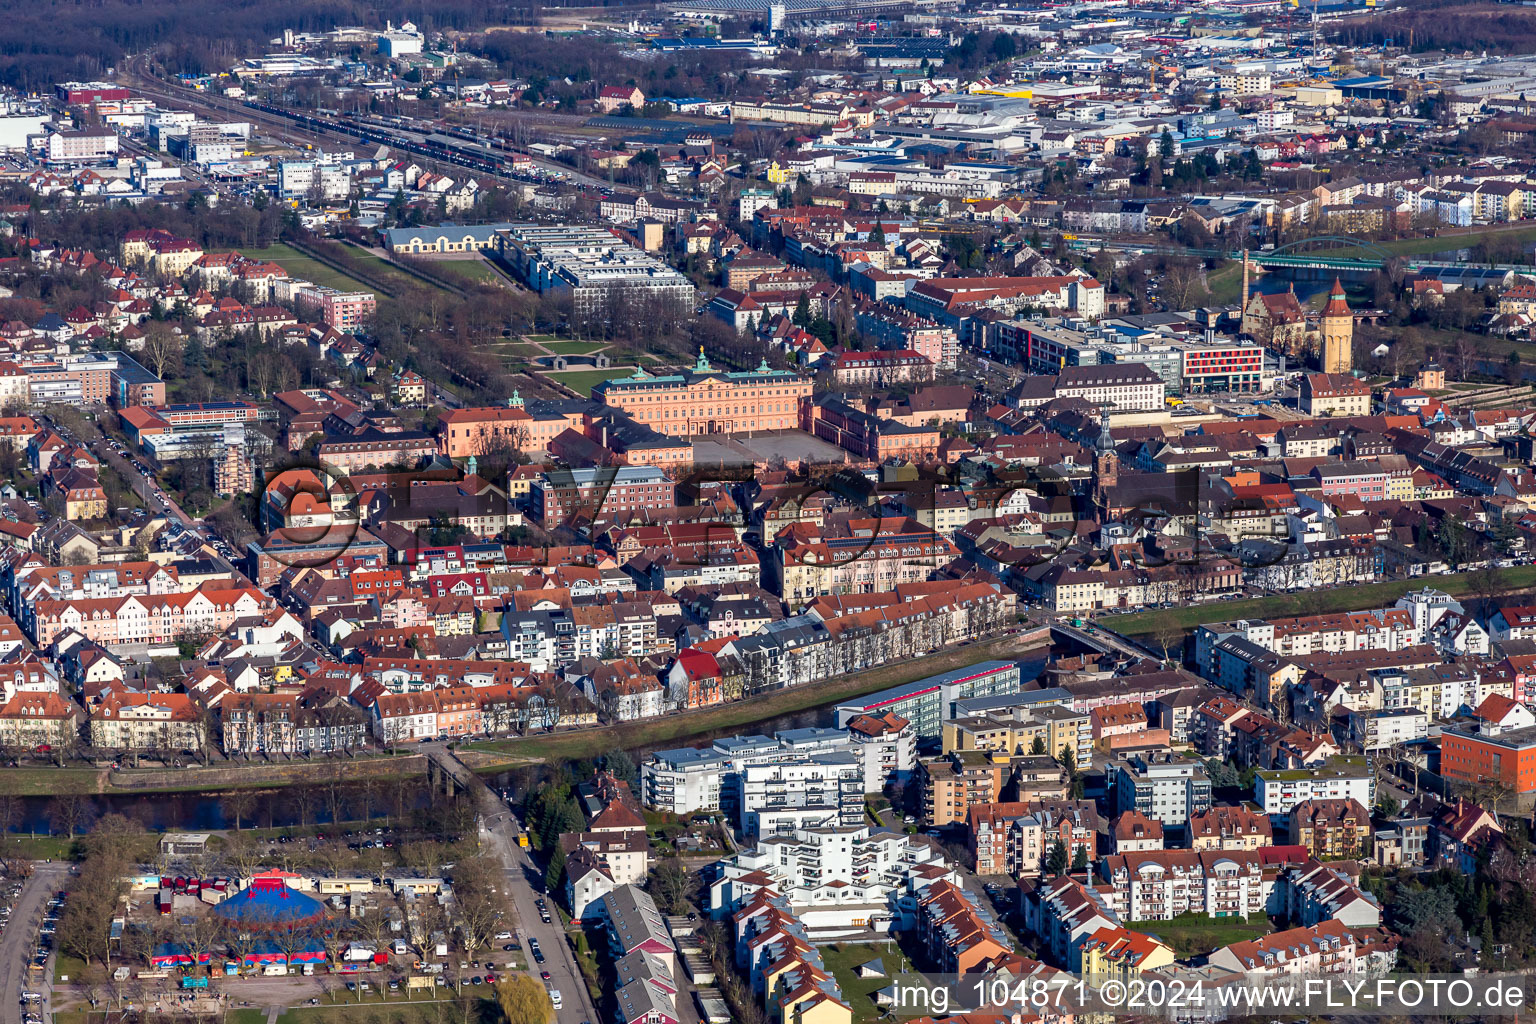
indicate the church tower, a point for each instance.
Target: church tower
{"x":1337,"y":330}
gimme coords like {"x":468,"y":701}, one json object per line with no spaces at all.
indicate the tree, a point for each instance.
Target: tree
{"x":163,"y":347}
{"x":1080,"y":860}
{"x":554,"y":872}
{"x":1056,"y":859}
{"x":523,"y":1000}
{"x":668,"y":885}
{"x":621,"y":766}
{"x":239,"y":805}
{"x":67,"y":812}
{"x":1038,"y":746}
{"x":1165,"y":145}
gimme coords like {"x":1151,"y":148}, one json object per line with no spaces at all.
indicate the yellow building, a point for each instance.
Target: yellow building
{"x":1117,"y":954}
{"x":1054,"y":727}
{"x":1336,"y":330}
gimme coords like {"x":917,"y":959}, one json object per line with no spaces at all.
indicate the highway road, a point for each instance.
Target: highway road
{"x":18,"y":940}
{"x":525,"y":883}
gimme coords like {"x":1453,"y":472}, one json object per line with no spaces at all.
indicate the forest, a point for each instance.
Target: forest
{"x":1454,"y":27}
{"x":54,"y":41}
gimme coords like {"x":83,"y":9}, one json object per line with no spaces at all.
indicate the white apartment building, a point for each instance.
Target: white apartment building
{"x":1387,"y":727}
{"x":1157,"y":885}
{"x":1165,"y":789}
{"x":690,"y":779}
{"x":835,"y":879}
{"x":1326,"y":948}
{"x":822,"y":791}
{"x":1126,"y":387}
{"x":1278,"y":791}
{"x":684,"y":780}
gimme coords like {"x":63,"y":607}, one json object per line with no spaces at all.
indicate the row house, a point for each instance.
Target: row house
{"x":960,"y":932}
{"x":1326,"y":948}
{"x":149,"y":619}
{"x":163,"y":722}
{"x":1159,"y":885}
{"x":1015,"y":838}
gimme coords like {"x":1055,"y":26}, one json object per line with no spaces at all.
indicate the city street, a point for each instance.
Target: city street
{"x":16,"y":942}
{"x":525,"y":883}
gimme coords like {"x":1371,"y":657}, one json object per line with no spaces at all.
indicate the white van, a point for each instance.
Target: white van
{"x":554,"y":998}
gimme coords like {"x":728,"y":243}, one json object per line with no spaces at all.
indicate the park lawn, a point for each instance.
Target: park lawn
{"x":1311,"y":602}
{"x":399,"y":1008}
{"x":48,"y":781}
{"x":68,"y":967}
{"x":574,"y":348}
{"x":843,"y":959}
{"x":1192,"y":934}
{"x":582,"y":381}
{"x":472,"y":271}
{"x":1226,"y":283}
{"x":246,"y":1017}
{"x":1446,"y":243}
{"x":382,"y":269}
{"x":541,"y":337}
{"x":39,"y":848}
{"x":304,"y":267}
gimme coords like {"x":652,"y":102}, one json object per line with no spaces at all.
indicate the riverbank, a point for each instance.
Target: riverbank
{"x":1314,"y":602}
{"x":497,"y":755}
{"x":45,"y":781}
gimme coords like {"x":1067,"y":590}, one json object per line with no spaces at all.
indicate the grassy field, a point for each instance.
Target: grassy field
{"x":582,"y":381}
{"x":39,"y":848}
{"x":398,"y":1008}
{"x":843,"y":958}
{"x":1465,"y":240}
{"x":737,"y":715}
{"x":1190,"y":934}
{"x":1341,"y":599}
{"x":574,"y":348}
{"x":471,"y":271}
{"x":48,"y":781}
{"x":68,"y":967}
{"x":382,"y":269}
{"x":1226,"y":284}
{"x":300,"y":266}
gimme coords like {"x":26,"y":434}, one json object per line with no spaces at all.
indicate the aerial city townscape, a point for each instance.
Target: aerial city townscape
{"x":706,"y":511}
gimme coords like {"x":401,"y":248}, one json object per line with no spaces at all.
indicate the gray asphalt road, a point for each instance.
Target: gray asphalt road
{"x":499,"y":829}
{"x":16,"y":942}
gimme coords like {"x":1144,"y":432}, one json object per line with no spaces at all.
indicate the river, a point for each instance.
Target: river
{"x":292,"y":806}
{"x":199,"y":812}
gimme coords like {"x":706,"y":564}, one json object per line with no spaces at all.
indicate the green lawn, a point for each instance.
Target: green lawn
{"x":473,"y":271}
{"x":48,"y":781}
{"x":843,"y":958}
{"x":1191,"y":934}
{"x":1340,"y":599}
{"x":1443,"y":243}
{"x":304,"y":267}
{"x":68,"y":967}
{"x":399,"y":1008}
{"x":246,"y":1017}
{"x":582,"y":381}
{"x":382,"y":269}
{"x":1226,"y":284}
{"x":574,"y":348}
